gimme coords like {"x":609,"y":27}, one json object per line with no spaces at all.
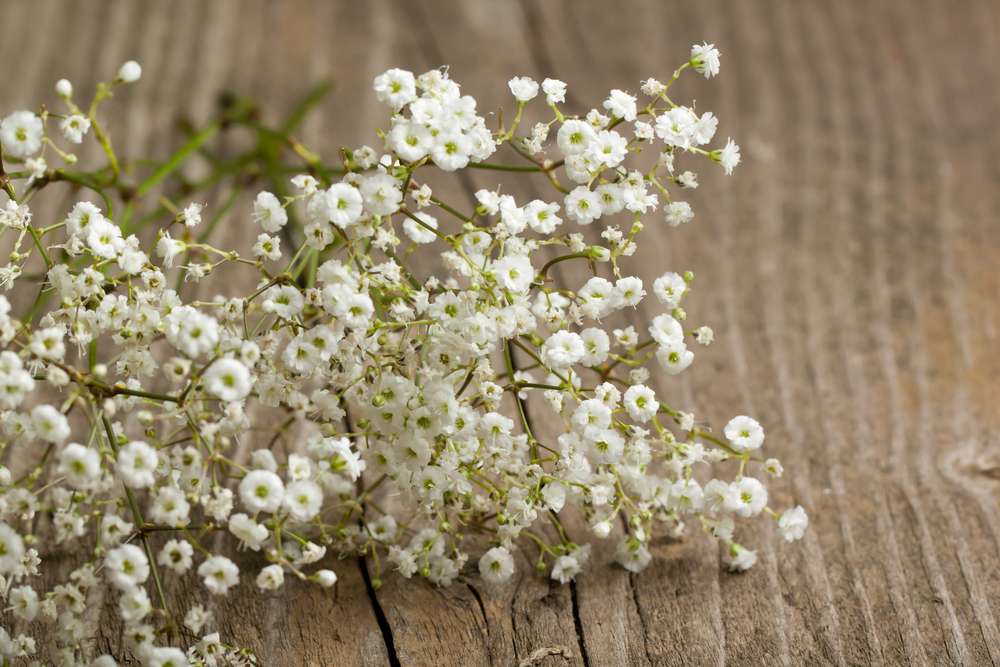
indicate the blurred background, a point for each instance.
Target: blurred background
{"x":849,"y":269}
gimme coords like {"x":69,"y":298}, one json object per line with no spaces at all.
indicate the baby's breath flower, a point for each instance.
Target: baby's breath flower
{"x":21,"y":134}
{"x":744,"y":433}
{"x":792,"y":524}
{"x":74,"y":127}
{"x":705,"y":59}
{"x":524,"y":89}
{"x":496,"y":565}
{"x":555,"y":91}
{"x":176,"y":426}
{"x":219,"y":574}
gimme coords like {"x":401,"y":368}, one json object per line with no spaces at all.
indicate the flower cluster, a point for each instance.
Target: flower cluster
{"x":372,"y":391}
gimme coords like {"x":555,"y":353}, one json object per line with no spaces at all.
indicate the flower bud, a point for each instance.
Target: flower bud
{"x":326,"y":578}
{"x":64,"y":89}
{"x":129,"y":72}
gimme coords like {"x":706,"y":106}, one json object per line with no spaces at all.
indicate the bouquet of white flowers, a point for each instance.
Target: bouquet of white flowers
{"x":366,"y":395}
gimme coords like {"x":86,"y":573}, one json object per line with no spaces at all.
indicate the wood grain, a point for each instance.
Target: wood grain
{"x":849,"y":269}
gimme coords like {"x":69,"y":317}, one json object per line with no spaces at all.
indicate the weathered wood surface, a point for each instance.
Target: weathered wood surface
{"x":849,"y":269}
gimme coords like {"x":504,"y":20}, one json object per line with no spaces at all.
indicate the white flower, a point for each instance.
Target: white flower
{"x":169,"y":248}
{"x":565,"y":569}
{"x":50,"y":424}
{"x":80,"y":465}
{"x":514,"y":273}
{"x":410,"y":140}
{"x":555,"y":91}
{"x":126,"y":566}
{"x":666,"y":330}
{"x":541,"y":216}
{"x":24,"y":602}
{"x":704,"y":128}
{"x":176,"y":555}
{"x":633,"y":556}
{"x":609,"y":149}
{"x":170,"y":507}
{"x":104,"y":239}
{"x":523,"y":88}
{"x":396,"y":87}
{"x":741,"y":559}
{"x":451,"y":150}
{"x":705,"y":59}
{"x":678,"y":212}
{"x":621,"y":105}
{"x":267,"y":247}
{"x":303,"y":499}
{"x":250,"y":533}
{"x":167,"y":656}
{"x":597,"y":345}
{"x":583,"y":205}
{"x":299,"y":467}
{"x":134,"y":605}
{"x":598,"y":298}
{"x":774,"y":467}
{"x":612,"y":198}
{"x":704,"y":335}
{"x":136,"y":464}
{"x":640,"y":402}
{"x":21,"y":134}
{"x":669,"y":288}
{"x":48,"y":343}
{"x":629,"y":290}
{"x":285,"y":301}
{"x":575,"y":137}
{"x":744,"y":433}
{"x":11,"y":549}
{"x":674,"y":357}
{"x":339,"y":457}
{"x":728,"y":156}
{"x":219,"y":574}
{"x":419,"y":233}
{"x":688,"y":179}
{"x":268,"y":212}
{"x":381,"y":194}
{"x":74,"y":127}
{"x":261,"y":491}
{"x":191,"y":215}
{"x":792,"y":523}
{"x":344,"y":205}
{"x":228,"y":379}
{"x":563,"y":349}
{"x":271,"y":578}
{"x":496,"y":565}
{"x":14,"y":216}
{"x":748,"y":497}
{"x":129,"y":72}
{"x":677,"y":126}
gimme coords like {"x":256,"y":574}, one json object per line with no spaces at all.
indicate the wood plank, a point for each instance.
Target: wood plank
{"x":848,"y":268}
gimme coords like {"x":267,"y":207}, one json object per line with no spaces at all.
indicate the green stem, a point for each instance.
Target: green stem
{"x":41,"y":248}
{"x":139,"y":522}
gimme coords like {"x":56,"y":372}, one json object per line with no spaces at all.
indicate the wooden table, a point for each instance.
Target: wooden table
{"x":849,"y":269}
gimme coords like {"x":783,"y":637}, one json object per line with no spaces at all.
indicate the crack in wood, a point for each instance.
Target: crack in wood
{"x":380,"y":617}
{"x":578,"y":624}
{"x":482,"y":607}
